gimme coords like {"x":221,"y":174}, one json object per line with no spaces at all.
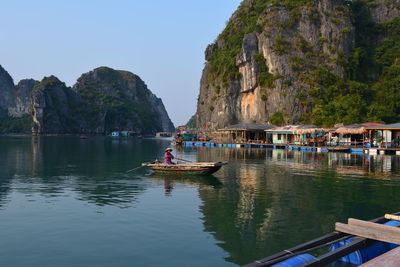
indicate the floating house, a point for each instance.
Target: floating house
{"x":164,"y":134}
{"x":309,"y":135}
{"x":281,"y":135}
{"x":296,"y":134}
{"x":351,"y":135}
{"x":390,"y":134}
{"x":189,"y":136}
{"x":243,"y":133}
{"x":355,"y":134}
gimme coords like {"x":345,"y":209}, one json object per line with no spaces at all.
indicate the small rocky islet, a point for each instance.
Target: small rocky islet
{"x":101,"y":101}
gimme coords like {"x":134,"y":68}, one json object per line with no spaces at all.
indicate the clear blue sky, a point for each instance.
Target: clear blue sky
{"x":161,"y":41}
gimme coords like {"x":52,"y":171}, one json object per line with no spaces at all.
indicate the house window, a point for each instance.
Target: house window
{"x":279,"y":137}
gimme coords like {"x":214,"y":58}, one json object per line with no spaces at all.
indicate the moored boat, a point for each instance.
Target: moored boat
{"x":187,"y":168}
{"x":177,"y":141}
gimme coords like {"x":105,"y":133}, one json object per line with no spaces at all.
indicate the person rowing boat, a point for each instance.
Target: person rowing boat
{"x":168,"y":157}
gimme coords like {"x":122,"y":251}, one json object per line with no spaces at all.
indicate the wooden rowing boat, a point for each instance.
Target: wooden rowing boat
{"x":188,"y":168}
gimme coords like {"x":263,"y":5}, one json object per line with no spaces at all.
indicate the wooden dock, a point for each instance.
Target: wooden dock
{"x":342,"y":149}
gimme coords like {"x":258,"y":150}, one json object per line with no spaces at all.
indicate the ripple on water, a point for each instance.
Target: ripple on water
{"x":82,"y":208}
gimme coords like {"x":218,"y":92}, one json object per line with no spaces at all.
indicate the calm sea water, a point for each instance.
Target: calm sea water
{"x":69,"y":202}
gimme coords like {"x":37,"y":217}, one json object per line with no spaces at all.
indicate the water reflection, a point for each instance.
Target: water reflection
{"x":14,"y":159}
{"x":275,"y":199}
{"x":89,"y":169}
{"x":372,"y":166}
{"x":121,"y":193}
{"x":196,"y":180}
{"x":263,"y":201}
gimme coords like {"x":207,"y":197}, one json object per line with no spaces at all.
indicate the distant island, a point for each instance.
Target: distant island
{"x":303,"y":62}
{"x":102,"y":100}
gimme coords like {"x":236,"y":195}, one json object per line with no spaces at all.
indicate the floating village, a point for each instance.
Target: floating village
{"x":368,"y":138}
{"x":289,"y":155}
{"x":357,"y":243}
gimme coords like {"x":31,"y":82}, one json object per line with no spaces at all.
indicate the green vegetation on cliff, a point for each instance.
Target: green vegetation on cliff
{"x":332,"y":86}
{"x":19,"y":125}
{"x":223,"y":59}
{"x":371,"y":90}
{"x":120,"y":106}
{"x":246,"y":20}
{"x":191,"y":124}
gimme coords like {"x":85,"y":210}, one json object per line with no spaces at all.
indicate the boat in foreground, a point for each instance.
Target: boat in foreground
{"x":188,"y":168}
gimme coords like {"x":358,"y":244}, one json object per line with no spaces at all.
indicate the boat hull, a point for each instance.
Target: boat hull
{"x":190,"y":169}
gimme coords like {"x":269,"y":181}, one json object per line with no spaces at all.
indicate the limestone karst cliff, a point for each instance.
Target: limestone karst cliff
{"x":14,"y":99}
{"x":55,"y":108}
{"x":14,"y":104}
{"x":120,"y":100}
{"x":21,"y":98}
{"x":303,"y":61}
{"x":6,"y":92}
{"x":102,"y":100}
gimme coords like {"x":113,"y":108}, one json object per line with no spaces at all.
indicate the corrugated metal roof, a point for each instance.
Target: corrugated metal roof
{"x":286,"y":128}
{"x":368,"y":124}
{"x":386,"y":126}
{"x":279,"y":132}
{"x":296,"y":129}
{"x":248,"y":127}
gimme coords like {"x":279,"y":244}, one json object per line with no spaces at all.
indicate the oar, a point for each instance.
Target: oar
{"x":184,"y":160}
{"x":135,"y":169}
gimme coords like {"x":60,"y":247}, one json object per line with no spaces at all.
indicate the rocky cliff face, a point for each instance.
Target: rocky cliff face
{"x":161,"y":113}
{"x":6,"y":92}
{"x":384,"y":10}
{"x":14,"y":100}
{"x":56,"y":109}
{"x":120,"y":100}
{"x":268,"y":63}
{"x":14,"y":104}
{"x":21,"y":98}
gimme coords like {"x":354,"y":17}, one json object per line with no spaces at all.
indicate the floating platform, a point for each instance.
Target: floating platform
{"x":245,"y":145}
{"x":353,"y":150}
{"x":339,"y":149}
{"x":357,"y":242}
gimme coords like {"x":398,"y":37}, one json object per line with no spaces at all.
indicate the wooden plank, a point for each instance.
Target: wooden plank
{"x":392,"y":217}
{"x":389,"y":259}
{"x":381,"y":235}
{"x":375,"y":226}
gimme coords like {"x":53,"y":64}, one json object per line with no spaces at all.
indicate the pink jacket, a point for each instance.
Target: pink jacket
{"x":168,"y":157}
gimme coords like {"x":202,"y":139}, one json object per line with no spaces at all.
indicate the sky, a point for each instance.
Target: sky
{"x":161,"y":41}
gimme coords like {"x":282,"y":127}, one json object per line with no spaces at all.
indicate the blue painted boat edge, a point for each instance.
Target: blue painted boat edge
{"x":368,"y":253}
